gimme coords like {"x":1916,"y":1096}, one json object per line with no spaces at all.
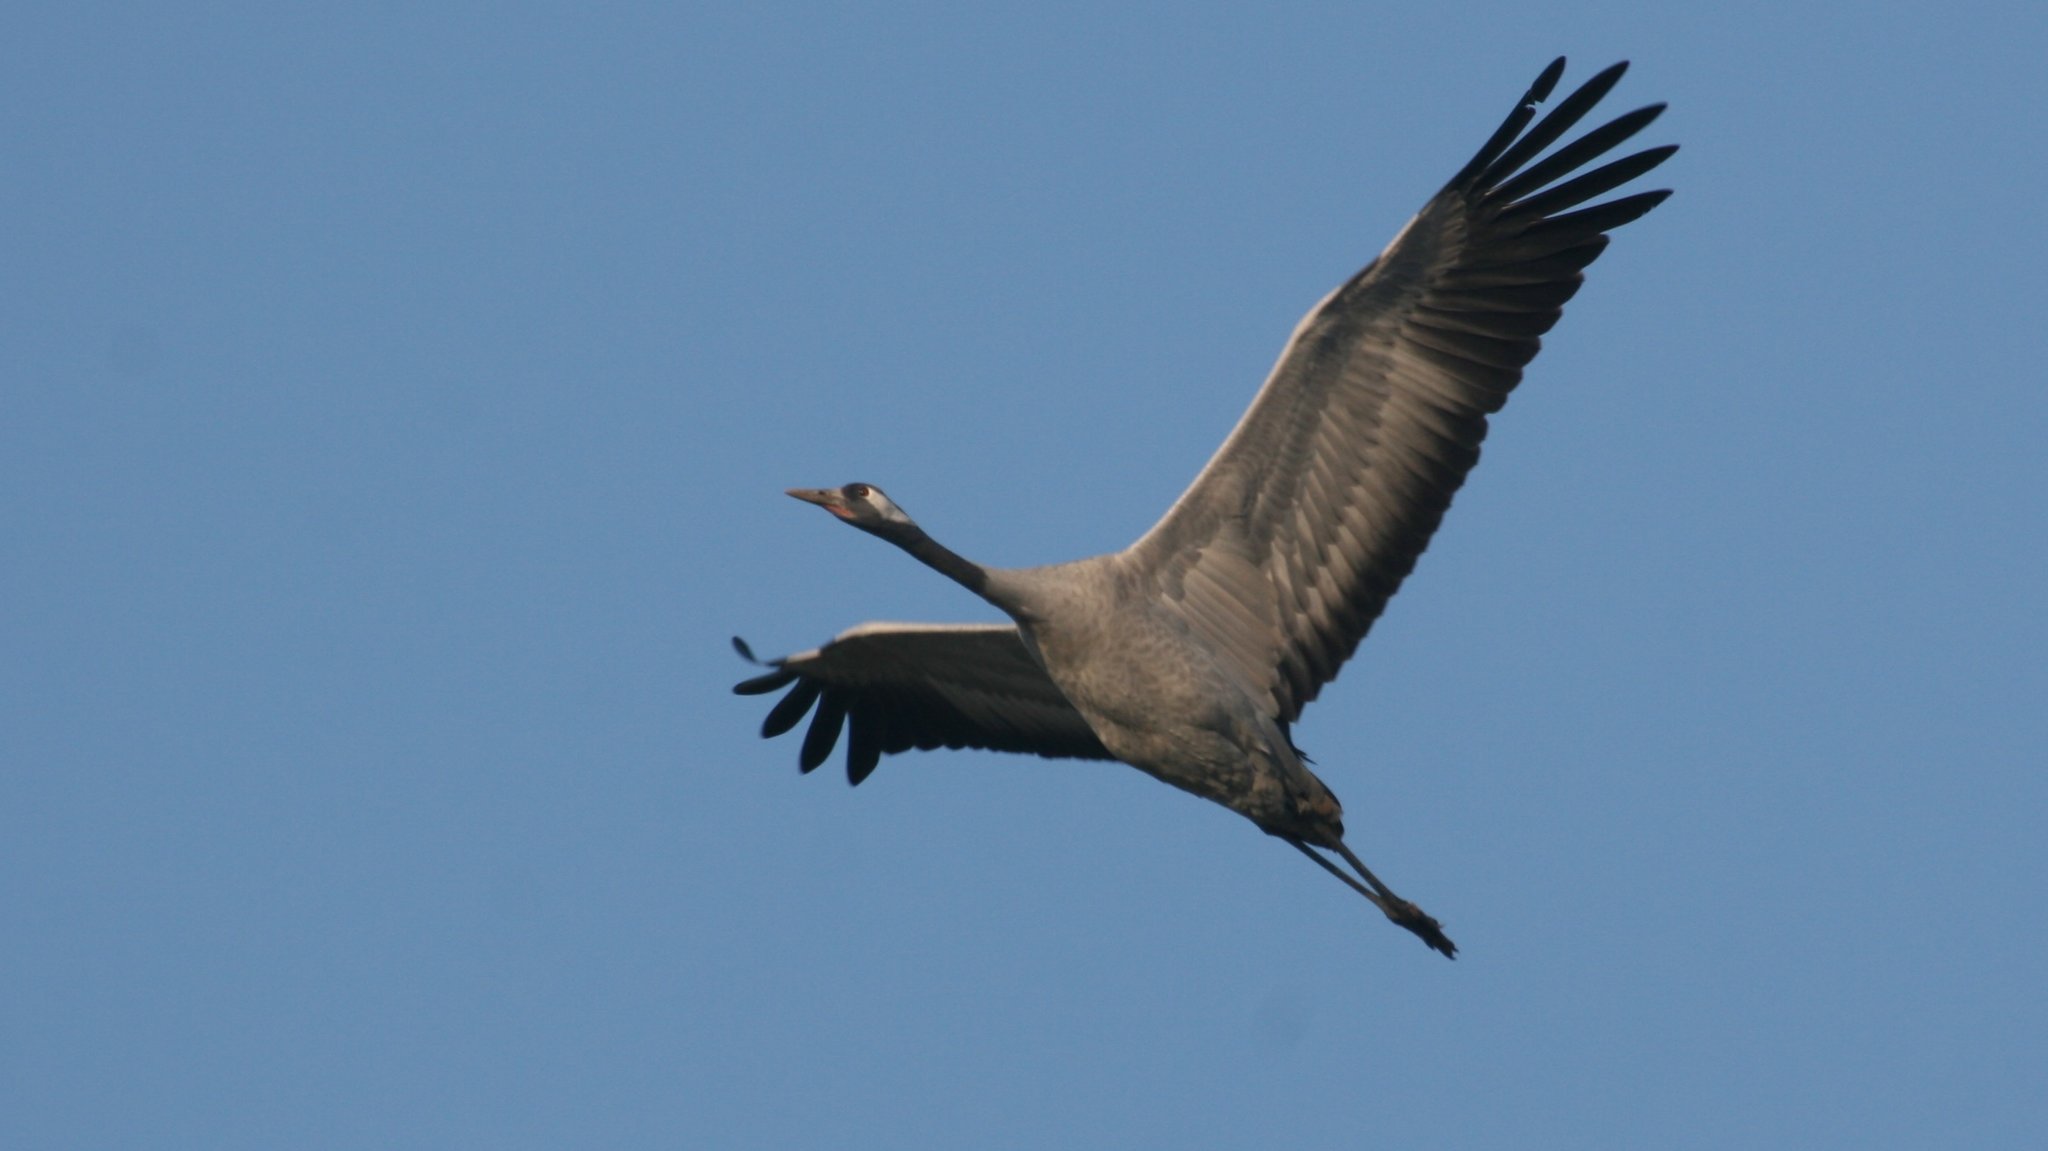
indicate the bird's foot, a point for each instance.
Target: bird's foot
{"x":1425,"y":928}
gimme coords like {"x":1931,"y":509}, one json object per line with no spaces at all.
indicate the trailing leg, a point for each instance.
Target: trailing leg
{"x":1393,"y":906}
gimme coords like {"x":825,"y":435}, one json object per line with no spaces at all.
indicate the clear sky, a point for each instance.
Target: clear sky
{"x":395,"y":405}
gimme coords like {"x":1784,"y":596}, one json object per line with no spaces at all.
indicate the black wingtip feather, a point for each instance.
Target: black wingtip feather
{"x":1599,"y":181}
{"x":823,"y":732}
{"x":760,"y":684}
{"x":1609,"y":216}
{"x":863,"y":746}
{"x":1593,"y":144}
{"x":1556,"y":123}
{"x":790,"y":708}
{"x":763,"y":684}
{"x":1510,"y":128}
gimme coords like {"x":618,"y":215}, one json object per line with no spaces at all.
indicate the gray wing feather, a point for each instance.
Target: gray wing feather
{"x":892,"y":687}
{"x":1290,"y":542}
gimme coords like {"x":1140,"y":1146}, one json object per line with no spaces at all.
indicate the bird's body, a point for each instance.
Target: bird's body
{"x":1191,"y":653}
{"x":1157,"y":697}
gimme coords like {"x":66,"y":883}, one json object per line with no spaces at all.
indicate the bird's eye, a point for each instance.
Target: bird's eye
{"x":858,"y":491}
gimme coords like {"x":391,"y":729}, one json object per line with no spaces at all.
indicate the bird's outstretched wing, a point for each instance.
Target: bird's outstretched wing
{"x":1290,"y":542}
{"x":897,"y":686}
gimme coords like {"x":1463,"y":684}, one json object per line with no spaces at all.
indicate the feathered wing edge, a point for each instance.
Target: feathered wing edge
{"x":894,"y":687}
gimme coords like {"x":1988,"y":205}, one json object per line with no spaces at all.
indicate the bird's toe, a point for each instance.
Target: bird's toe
{"x":1424,"y":926}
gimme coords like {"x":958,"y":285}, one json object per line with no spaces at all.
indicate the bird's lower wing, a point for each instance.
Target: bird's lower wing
{"x":897,"y":686}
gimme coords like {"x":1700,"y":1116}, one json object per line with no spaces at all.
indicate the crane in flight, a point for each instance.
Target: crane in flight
{"x":1190,"y":654}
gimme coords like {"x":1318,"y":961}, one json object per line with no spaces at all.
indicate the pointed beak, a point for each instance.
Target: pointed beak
{"x":827,"y":498}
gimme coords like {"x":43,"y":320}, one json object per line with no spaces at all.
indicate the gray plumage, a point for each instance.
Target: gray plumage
{"x":1190,"y":653}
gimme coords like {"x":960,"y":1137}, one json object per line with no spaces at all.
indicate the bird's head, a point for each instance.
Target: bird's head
{"x":865,"y":506}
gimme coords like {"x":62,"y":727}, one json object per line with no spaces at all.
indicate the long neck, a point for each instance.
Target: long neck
{"x":941,"y":558}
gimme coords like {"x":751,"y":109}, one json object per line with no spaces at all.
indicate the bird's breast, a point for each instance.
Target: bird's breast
{"x":1155,"y":700}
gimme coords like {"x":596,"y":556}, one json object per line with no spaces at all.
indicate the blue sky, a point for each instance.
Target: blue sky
{"x":394,"y":410}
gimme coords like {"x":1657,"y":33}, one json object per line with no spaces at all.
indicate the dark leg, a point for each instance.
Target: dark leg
{"x":1393,"y":906}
